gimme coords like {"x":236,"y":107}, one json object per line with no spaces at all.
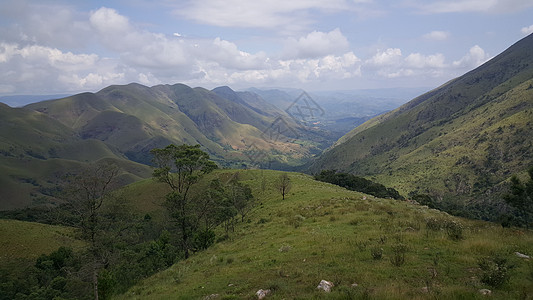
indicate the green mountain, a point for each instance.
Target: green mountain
{"x":135,"y":118}
{"x":459,"y":141}
{"x":36,"y":151}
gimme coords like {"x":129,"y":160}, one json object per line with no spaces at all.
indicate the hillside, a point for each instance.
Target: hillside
{"x":461,"y":140}
{"x":36,"y":151}
{"x":390,"y":249}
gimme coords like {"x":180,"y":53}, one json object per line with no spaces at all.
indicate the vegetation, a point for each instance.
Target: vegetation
{"x":521,"y":197}
{"x":323,"y":231}
{"x":284,"y":185}
{"x":359,"y":184}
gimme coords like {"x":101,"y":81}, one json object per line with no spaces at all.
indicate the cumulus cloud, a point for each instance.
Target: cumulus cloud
{"x":135,"y":54}
{"x":40,"y":68}
{"x":474,"y":58}
{"x":437,"y":35}
{"x":482,"y":6}
{"x":316,"y":44}
{"x":527,"y":30}
{"x":391,"y":63}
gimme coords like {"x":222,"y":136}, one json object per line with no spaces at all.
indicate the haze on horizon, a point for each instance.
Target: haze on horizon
{"x":60,"y":46}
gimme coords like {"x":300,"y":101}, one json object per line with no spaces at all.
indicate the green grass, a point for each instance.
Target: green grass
{"x":322,"y":231}
{"x":27,"y":240}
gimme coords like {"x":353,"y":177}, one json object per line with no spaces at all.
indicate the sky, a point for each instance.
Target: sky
{"x":71,"y":46}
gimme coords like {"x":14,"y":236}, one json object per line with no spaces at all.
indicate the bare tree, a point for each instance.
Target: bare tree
{"x":284,"y":184}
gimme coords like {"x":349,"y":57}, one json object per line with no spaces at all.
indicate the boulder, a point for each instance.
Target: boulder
{"x":325,"y":285}
{"x":261,"y":294}
{"x":212,"y":297}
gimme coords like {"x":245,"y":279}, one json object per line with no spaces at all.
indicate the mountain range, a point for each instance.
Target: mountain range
{"x":124,"y":122}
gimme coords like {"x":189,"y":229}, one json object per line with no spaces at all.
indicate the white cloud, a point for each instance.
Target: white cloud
{"x":527,"y":30}
{"x":38,"y":68}
{"x":474,"y":58}
{"x":289,"y":16}
{"x":419,"y":61}
{"x":482,"y":6}
{"x":437,"y":35}
{"x":391,"y":56}
{"x":391,"y":63}
{"x":316,"y":44}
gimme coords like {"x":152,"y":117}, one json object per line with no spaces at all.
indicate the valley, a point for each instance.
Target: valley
{"x":171,"y":191}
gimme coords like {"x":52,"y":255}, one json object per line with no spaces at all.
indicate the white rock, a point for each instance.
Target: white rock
{"x":325,"y":285}
{"x":261,"y":294}
{"x":485,"y":292}
{"x":522,"y":255}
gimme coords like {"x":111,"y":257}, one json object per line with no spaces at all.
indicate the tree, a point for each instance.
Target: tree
{"x":241,"y":197}
{"x":284,"y":184}
{"x":180,"y":167}
{"x":86,"y":192}
{"x":521,"y":196}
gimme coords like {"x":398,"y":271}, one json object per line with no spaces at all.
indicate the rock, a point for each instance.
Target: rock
{"x":325,"y":285}
{"x":354,"y":285}
{"x":522,"y":255}
{"x":261,"y":294}
{"x":425,"y":289}
{"x":485,"y":292}
{"x":212,"y":297}
{"x":231,"y":284}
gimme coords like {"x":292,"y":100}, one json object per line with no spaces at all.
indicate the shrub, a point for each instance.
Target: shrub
{"x":494,"y":270}
{"x":376,"y":252}
{"x":454,"y":230}
{"x":398,"y":254}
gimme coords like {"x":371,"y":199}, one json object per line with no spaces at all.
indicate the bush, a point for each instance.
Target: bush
{"x":398,"y":254}
{"x":494,"y":271}
{"x":453,"y":229}
{"x":376,"y":252}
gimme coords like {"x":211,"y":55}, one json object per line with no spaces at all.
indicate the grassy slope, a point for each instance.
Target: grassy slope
{"x":461,"y":138}
{"x":322,"y":231}
{"x":27,"y":240}
{"x":36,"y":150}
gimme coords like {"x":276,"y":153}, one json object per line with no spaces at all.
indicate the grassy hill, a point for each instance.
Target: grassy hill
{"x":322,"y":231}
{"x":462,"y":140}
{"x":36,"y":151}
{"x":27,"y":240}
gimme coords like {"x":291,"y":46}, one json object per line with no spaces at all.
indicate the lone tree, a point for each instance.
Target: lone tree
{"x":180,"y":167}
{"x":521,"y":196}
{"x":241,"y":196}
{"x":86,"y":193}
{"x":284,"y":185}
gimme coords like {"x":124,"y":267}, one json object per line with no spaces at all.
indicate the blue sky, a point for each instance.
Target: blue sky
{"x":61,"y":46}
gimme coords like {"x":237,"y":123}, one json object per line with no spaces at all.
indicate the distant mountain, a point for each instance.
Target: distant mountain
{"x":459,"y":141}
{"x":21,"y":100}
{"x":135,"y":118}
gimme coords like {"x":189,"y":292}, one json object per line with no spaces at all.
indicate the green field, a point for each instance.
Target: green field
{"x":27,"y":240}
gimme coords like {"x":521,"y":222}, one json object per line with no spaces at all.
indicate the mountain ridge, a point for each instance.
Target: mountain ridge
{"x":460,"y":139}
